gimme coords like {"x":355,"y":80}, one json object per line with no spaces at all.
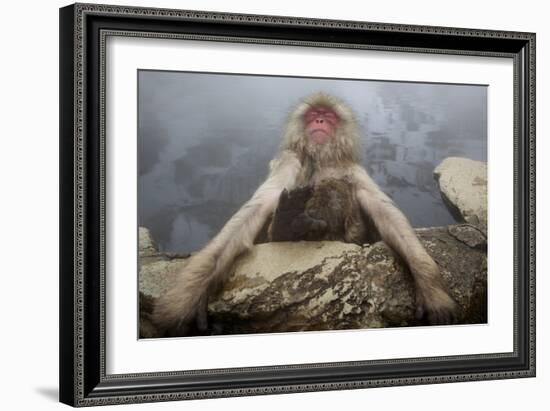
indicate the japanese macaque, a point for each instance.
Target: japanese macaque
{"x":320,"y":143}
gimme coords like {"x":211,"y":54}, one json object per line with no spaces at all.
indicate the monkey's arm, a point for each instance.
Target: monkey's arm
{"x":180,"y":304}
{"x":432,"y":300}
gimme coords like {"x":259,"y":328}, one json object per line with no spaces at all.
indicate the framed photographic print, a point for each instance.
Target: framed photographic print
{"x":261,"y":204}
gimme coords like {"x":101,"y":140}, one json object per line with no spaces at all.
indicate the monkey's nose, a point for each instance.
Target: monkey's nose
{"x":319,"y":120}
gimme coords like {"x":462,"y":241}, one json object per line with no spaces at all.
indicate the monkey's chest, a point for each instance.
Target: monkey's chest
{"x":326,"y":211}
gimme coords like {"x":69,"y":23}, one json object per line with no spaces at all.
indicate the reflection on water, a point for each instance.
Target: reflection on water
{"x":205,"y":142}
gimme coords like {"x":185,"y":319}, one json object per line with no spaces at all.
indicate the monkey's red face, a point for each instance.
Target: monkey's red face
{"x":320,"y":124}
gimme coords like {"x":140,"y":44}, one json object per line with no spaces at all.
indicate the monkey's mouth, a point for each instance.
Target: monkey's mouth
{"x":319,"y":136}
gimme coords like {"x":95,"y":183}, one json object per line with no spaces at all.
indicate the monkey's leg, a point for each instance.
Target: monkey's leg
{"x":354,"y":229}
{"x":306,"y":226}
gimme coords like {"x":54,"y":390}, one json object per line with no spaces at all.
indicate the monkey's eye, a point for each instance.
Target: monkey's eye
{"x":331,"y":117}
{"x":315,"y":113}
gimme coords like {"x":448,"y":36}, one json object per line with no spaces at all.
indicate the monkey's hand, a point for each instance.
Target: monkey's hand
{"x":433,"y":303}
{"x":290,"y":207}
{"x":436,"y":306}
{"x":182,"y":310}
{"x":294,"y":200}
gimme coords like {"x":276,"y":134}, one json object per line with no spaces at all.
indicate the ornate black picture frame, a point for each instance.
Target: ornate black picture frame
{"x":83,"y":31}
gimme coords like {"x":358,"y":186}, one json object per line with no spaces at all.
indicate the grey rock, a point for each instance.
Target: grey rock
{"x":463,"y":186}
{"x":299,"y":286}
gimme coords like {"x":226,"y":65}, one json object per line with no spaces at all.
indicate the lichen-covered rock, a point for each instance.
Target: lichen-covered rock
{"x":156,"y":269}
{"x":288,"y":286}
{"x":463,"y":186}
{"x":147,"y":246}
{"x":155,"y":277}
{"x":300,"y":286}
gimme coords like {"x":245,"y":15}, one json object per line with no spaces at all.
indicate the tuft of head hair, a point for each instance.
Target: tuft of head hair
{"x":344,"y":148}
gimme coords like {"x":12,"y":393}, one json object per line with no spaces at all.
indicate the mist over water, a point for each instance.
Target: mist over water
{"x":205,"y":141}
